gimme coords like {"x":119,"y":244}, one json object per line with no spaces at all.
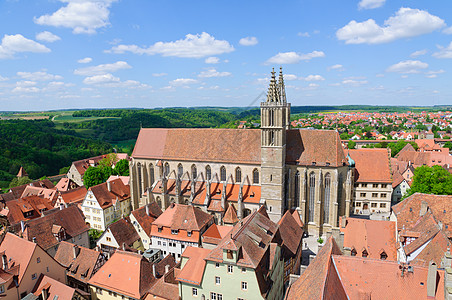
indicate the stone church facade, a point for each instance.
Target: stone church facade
{"x":243,"y":169}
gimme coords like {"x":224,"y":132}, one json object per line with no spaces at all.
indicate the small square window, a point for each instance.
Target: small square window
{"x":373,"y":204}
{"x":243,"y":270}
{"x":244,"y":285}
{"x":188,"y":233}
{"x":358,"y":204}
{"x":217,"y":265}
{"x":194,"y":291}
{"x":38,"y":260}
{"x":217,"y":280}
{"x":33,"y":276}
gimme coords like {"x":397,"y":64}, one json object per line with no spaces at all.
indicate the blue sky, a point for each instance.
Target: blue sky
{"x":58,"y":54}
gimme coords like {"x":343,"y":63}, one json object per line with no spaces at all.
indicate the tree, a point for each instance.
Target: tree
{"x":448,"y":144}
{"x":351,"y":145}
{"x":20,"y":181}
{"x":431,"y":180}
{"x":122,"y":168}
{"x":368,"y":134}
{"x":344,"y":136}
{"x":93,"y":176}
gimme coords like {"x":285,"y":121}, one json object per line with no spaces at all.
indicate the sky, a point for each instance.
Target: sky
{"x":64,"y":54}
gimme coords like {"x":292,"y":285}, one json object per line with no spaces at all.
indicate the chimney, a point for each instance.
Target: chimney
{"x":343,"y":221}
{"x":124,"y":246}
{"x":431,"y":280}
{"x":153,"y":270}
{"x":75,"y":251}
{"x":167,"y":268}
{"x":109,"y":186}
{"x":33,"y":239}
{"x":424,"y":207}
{"x":4,"y":262}
{"x":45,"y":294}
{"x":147,"y":210}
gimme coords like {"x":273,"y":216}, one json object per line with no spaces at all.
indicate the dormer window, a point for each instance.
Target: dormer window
{"x":314,"y":163}
{"x":160,"y":229}
{"x":229,"y":254}
{"x":174,"y":231}
{"x":353,"y":252}
{"x":365,"y":254}
{"x":383,"y":255}
{"x":189,"y":233}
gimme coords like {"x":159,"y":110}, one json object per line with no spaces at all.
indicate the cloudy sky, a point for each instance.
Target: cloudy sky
{"x":57,"y":54}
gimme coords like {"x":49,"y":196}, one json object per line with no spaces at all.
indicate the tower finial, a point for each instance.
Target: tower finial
{"x":273,"y":95}
{"x":281,"y":87}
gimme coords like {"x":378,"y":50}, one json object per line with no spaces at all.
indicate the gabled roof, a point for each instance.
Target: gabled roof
{"x":238,"y":146}
{"x":106,"y":197}
{"x":146,"y":220}
{"x":123,"y":232}
{"x":55,"y":289}
{"x":71,"y":219}
{"x":33,"y":204}
{"x":185,"y":217}
{"x":65,"y":184}
{"x":215,"y":233}
{"x":50,"y":194}
{"x":291,"y":232}
{"x":81,"y":267}
{"x":74,"y":195}
{"x":193,"y":270}
{"x":22,"y":172}
{"x":371,"y":165}
{"x":371,"y":235}
{"x":166,"y":287}
{"x":230,"y":216}
{"x":126,"y":273}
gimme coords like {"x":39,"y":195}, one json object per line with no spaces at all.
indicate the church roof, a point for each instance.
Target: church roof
{"x":304,"y":147}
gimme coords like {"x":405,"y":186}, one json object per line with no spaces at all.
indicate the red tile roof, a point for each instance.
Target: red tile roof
{"x":291,"y":232}
{"x":215,"y":233}
{"x":123,"y":232}
{"x":193,"y":270}
{"x":230,"y":216}
{"x":371,"y":165}
{"x":146,"y":220}
{"x":106,"y":197}
{"x":372,"y":236}
{"x":185,"y":217}
{"x":55,"y":289}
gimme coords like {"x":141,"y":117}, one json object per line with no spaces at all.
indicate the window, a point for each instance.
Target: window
{"x":188,"y":233}
{"x":363,"y":184}
{"x":174,"y":231}
{"x":244,"y":285}
{"x":326,"y":200}
{"x":140,"y":182}
{"x":243,"y":270}
{"x":353,"y":252}
{"x":164,"y":244}
{"x":383,"y":186}
{"x":229,"y":254}
{"x":255,"y":176}
{"x":375,"y":185}
{"x":365,"y":254}
{"x":208,"y":173}
{"x":159,"y":243}
{"x":151,"y":173}
{"x":238,"y":175}
{"x":99,"y":291}
{"x":194,"y":292}
{"x":108,"y":239}
{"x":373,"y":205}
{"x":160,"y":229}
{"x":296,"y":199}
{"x":166,"y":169}
{"x":230,"y":269}
{"x":382,"y":205}
{"x":217,"y":265}
{"x":180,"y":170}
{"x":194,"y":172}
{"x":374,"y":195}
{"x":215,"y":296}
{"x":311,"y":196}
{"x":222,"y":173}
{"x":383,"y":255}
{"x":47,"y":269}
{"x":383,"y":195}
{"x":2,"y":289}
{"x":217,"y":280}
{"x":362,"y":194}
{"x":33,"y":276}
{"x":38,"y":260}
{"x":358,"y":204}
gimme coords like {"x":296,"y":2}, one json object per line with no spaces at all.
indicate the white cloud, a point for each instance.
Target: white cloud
{"x":293,"y":57}
{"x":336,"y":67}
{"x":47,"y":36}
{"x":83,"y":16}
{"x":418,"y":53}
{"x":102,"y":69}
{"x":212,"y":60}
{"x":248,"y":41}
{"x":21,"y":89}
{"x":289,"y":77}
{"x":313,"y":78}
{"x":444,"y":52}
{"x":408,"y":67}
{"x":159,"y":74}
{"x":101,"y":79}
{"x":370,"y":4}
{"x":3,"y":78}
{"x":303,"y":34}
{"x":406,"y":23}
{"x":12,"y":44}
{"x":448,"y":30}
{"x":182,"y":81}
{"x":193,"y":46}
{"x":354,"y":82}
{"x":434,"y":74}
{"x":213,"y":73}
{"x":39,"y":76}
{"x":85,"y":60}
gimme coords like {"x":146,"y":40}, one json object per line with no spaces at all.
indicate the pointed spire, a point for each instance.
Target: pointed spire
{"x":272,"y":94}
{"x":281,"y":87}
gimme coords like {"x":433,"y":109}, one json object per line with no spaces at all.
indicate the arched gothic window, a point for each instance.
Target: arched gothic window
{"x":140,"y":179}
{"x":180,"y":170}
{"x":296,"y":202}
{"x":339,"y":198}
{"x":151,"y":174}
{"x":166,"y":169}
{"x":222,"y":173}
{"x":238,"y":175}
{"x":326,"y":200}
{"x":255,"y":176}
{"x":311,"y":196}
{"x":208,"y":173}
{"x":194,"y":172}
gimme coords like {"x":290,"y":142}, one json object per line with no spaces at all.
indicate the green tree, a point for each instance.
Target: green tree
{"x":122,"y":168}
{"x":20,"y":181}
{"x":64,"y":170}
{"x":351,"y":144}
{"x":448,"y":144}
{"x":344,"y":136}
{"x":431,"y":180}
{"x":93,"y":176}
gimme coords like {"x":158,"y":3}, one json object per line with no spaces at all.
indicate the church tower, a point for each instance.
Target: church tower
{"x":275,"y":120}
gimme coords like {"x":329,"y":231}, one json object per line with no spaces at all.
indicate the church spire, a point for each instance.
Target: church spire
{"x":281,"y":87}
{"x":273,"y":95}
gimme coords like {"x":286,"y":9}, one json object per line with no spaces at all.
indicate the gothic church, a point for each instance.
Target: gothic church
{"x":232,"y":172}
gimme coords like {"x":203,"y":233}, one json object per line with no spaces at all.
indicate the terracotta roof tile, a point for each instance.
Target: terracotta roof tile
{"x":123,"y":232}
{"x":291,"y":232}
{"x":106,"y":197}
{"x":55,"y":289}
{"x":186,"y":217}
{"x":146,"y":220}
{"x":371,"y":165}
{"x":230,"y":215}
{"x":193,"y":270}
